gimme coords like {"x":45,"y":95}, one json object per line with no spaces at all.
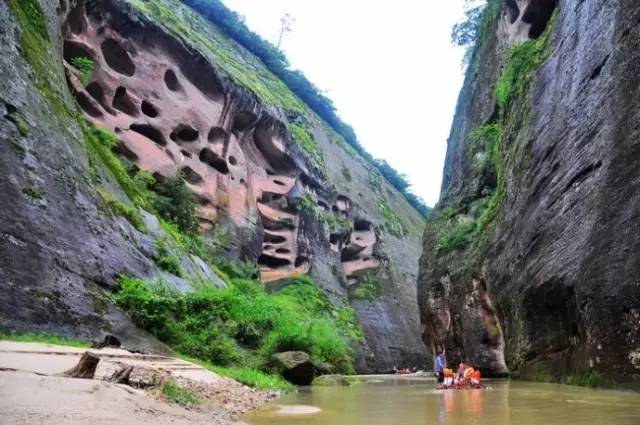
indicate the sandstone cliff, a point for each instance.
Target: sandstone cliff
{"x":180,"y":96}
{"x":530,"y":264}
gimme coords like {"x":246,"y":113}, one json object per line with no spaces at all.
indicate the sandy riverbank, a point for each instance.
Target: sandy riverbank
{"x":30,"y":393}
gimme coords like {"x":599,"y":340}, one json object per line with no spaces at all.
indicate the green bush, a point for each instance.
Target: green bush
{"x":85,"y":66}
{"x":224,"y":326}
{"x":522,"y":61}
{"x":176,"y":203}
{"x":165,"y":257}
{"x":307,"y":202}
{"x":458,"y":237}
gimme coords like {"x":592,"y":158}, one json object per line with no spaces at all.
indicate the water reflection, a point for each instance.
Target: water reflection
{"x":411,"y":402}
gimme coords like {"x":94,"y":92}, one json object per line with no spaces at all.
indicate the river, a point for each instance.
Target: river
{"x":413,"y":401}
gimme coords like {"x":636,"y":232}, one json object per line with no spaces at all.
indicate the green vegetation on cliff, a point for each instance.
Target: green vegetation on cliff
{"x":243,"y":325}
{"x":462,"y":224}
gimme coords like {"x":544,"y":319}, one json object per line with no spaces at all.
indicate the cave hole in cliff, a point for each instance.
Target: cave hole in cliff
{"x":185,"y":153}
{"x":213,"y":160}
{"x":301,"y":261}
{"x":233,"y":160}
{"x":149,"y":132}
{"x":274,"y":239}
{"x":149,"y":110}
{"x":96,"y":91}
{"x":74,"y":49}
{"x":323,"y":205}
{"x":86,"y":103}
{"x":362,"y":226}
{"x":538,"y":13}
{"x":279,"y":182}
{"x":76,"y":20}
{"x":334,"y":209}
{"x":117,"y":58}
{"x":273,"y":262}
{"x":184,"y":133}
{"x":283,"y":251}
{"x":243,"y":182}
{"x":513,"y":11}
{"x":335,"y":238}
{"x":191,"y":176}
{"x":217,"y":135}
{"x":244,"y":121}
{"x":124,"y":103}
{"x":171,"y":80}
{"x":199,"y":73}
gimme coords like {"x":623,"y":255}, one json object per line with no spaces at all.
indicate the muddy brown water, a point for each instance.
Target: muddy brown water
{"x":405,"y":401}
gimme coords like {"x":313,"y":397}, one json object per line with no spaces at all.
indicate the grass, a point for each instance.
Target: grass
{"x":305,"y":140}
{"x":180,"y":395}
{"x":244,"y":69}
{"x":375,"y":180}
{"x":252,"y":377}
{"x":118,"y":207}
{"x":45,"y":338}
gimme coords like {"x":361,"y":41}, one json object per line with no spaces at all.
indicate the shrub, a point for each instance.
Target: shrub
{"x":85,"y":66}
{"x":166,"y":259}
{"x":212,"y":324}
{"x":459,"y":237}
{"x":307,"y":202}
{"x":176,"y":203}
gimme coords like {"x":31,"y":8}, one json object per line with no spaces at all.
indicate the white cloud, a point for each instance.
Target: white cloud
{"x":388,"y":66}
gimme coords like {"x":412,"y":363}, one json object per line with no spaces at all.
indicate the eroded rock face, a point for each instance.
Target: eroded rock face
{"x":173,"y":109}
{"x":550,"y":288}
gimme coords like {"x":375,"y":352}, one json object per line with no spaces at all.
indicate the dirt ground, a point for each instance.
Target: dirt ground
{"x":30,"y":393}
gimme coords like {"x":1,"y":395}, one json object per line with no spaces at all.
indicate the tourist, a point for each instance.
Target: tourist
{"x":441,"y":363}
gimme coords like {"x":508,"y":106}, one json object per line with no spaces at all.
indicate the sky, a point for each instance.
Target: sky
{"x":389,"y":67}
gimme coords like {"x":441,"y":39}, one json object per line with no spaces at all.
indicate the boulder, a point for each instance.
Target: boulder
{"x":331,"y":381}
{"x":295,"y":366}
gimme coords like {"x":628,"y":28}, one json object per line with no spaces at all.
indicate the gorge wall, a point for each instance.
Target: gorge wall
{"x":181,"y":97}
{"x":530,"y":263}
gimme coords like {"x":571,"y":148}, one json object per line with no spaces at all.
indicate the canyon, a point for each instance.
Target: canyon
{"x":530,"y":263}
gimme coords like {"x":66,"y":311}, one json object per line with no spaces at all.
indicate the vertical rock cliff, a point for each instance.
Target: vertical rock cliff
{"x":181,"y":97}
{"x":530,"y":264}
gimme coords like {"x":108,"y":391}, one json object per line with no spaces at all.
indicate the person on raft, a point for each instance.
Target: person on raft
{"x":441,"y":364}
